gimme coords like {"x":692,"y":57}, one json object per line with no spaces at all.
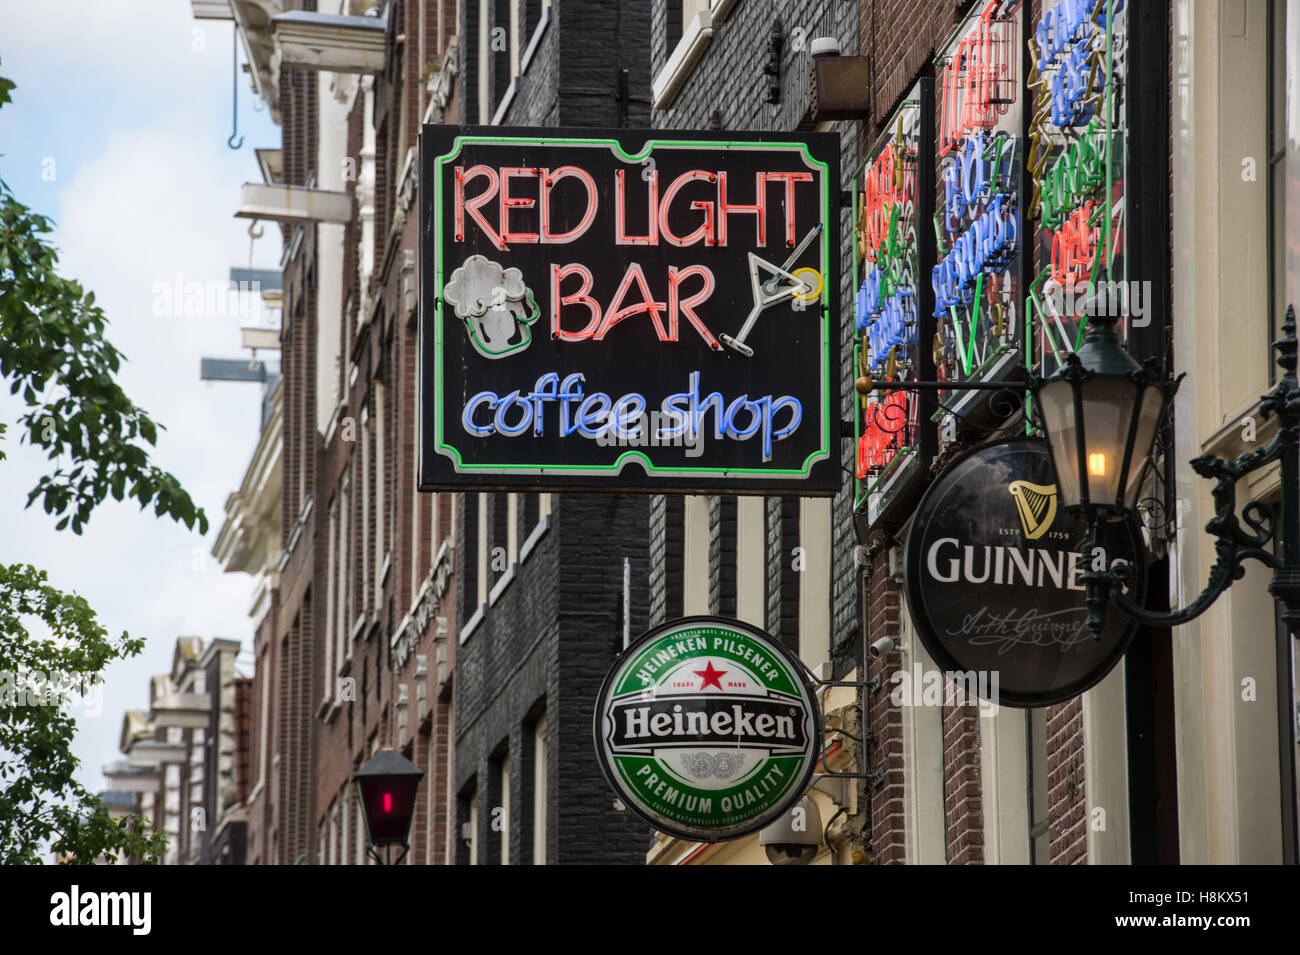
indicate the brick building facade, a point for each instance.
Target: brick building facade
{"x":381,"y":600}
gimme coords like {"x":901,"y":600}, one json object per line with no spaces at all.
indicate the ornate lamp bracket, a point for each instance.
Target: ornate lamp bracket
{"x":1234,"y":543}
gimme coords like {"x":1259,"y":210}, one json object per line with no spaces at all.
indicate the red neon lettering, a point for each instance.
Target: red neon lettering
{"x":652,"y":236}
{"x":464,"y":176}
{"x":558,"y":274}
{"x":758,"y":209}
{"x":979,"y":82}
{"x":509,"y":202}
{"x":705,"y":231}
{"x":789,"y":178}
{"x":1073,"y":247}
{"x":565,"y":172}
{"x":615,"y":314}
{"x":883,"y":431}
{"x":890,"y":181}
{"x":686,"y":306}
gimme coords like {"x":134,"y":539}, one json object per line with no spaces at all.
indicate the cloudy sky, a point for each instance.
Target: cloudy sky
{"x":118,"y":132}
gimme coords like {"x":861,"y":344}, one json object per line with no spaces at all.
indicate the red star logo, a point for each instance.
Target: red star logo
{"x":710,"y":676}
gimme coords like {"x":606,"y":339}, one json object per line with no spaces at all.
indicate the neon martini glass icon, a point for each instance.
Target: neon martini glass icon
{"x":781,"y":286}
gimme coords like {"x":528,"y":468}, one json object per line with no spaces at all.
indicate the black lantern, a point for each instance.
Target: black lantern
{"x":386,"y":786}
{"x":1100,"y":412}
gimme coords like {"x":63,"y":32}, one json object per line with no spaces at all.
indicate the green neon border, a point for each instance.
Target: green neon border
{"x":447,"y":450}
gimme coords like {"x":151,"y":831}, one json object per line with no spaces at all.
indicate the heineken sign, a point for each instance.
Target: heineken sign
{"x":707,"y":728}
{"x":992,"y":573}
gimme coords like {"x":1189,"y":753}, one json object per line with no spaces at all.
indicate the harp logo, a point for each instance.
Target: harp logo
{"x":1036,"y":504}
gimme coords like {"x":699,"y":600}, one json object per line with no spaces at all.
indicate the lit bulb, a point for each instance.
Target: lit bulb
{"x":388,"y":802}
{"x":1097,"y":465}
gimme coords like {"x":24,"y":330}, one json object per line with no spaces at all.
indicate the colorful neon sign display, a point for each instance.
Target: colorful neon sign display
{"x":1077,"y":158}
{"x":976,"y":277}
{"x":887,"y":303}
{"x":619,"y":310}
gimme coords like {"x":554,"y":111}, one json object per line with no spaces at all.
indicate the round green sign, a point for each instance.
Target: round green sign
{"x":708,"y":728}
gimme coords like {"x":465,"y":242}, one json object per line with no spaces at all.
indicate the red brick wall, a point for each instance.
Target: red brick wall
{"x":387,"y":352}
{"x":1067,"y":805}
{"x":884,"y":719}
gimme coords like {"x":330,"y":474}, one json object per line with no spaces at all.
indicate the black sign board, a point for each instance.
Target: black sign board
{"x":629,"y":310}
{"x":992,"y":570}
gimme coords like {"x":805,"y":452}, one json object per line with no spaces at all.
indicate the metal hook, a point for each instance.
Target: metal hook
{"x":234,"y":91}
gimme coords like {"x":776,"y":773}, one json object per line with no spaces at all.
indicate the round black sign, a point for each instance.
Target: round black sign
{"x":992,"y":574}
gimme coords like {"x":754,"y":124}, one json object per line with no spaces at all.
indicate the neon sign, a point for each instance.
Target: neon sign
{"x":625,"y":311}
{"x":976,"y":275}
{"x":887,"y":302}
{"x":1077,"y":153}
{"x":979,"y":79}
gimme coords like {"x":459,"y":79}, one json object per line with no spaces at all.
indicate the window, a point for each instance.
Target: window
{"x":379,"y":495}
{"x":751,"y":567}
{"x":539,"y":791}
{"x":695,"y":560}
{"x":482,"y":82}
{"x":815,"y":580}
{"x":515,"y":48}
{"x":498,"y":537}
{"x":502,"y":51}
{"x":481,"y":526}
{"x":331,"y":557}
{"x":343,"y":646}
{"x":512,"y":529}
{"x":363,"y":519}
{"x":263,"y":719}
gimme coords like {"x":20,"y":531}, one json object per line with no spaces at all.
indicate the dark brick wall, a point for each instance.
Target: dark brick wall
{"x":544,"y":647}
{"x":722,"y":556}
{"x":547,"y":642}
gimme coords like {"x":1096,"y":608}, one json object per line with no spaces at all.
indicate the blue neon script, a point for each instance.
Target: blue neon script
{"x":599,"y":415}
{"x":989,"y":244}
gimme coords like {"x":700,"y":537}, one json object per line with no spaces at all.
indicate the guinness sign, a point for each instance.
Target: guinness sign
{"x":992,"y":576}
{"x":707,"y":728}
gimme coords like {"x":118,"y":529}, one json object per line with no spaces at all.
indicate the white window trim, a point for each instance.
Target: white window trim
{"x":504,"y":106}
{"x":536,"y":535}
{"x":331,"y":554}
{"x":720,"y":9}
{"x":501,"y":583}
{"x":472,"y":624}
{"x":535,"y":40}
{"x":343,"y":647}
{"x":696,"y":37}
{"x":539,"y":791}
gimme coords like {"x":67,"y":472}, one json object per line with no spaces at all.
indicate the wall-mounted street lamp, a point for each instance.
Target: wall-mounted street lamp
{"x":1099,"y":414}
{"x":386,"y":786}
